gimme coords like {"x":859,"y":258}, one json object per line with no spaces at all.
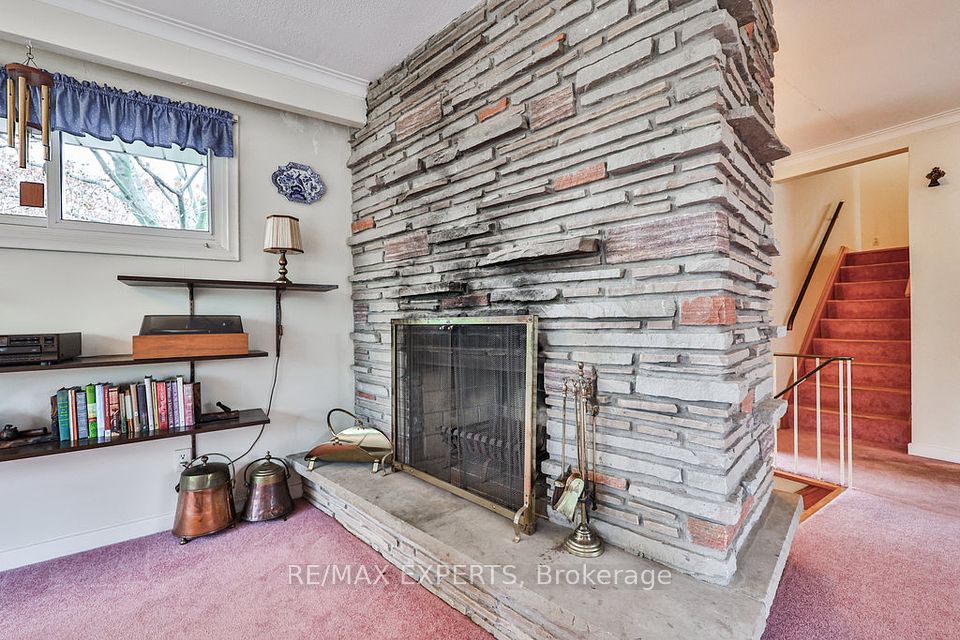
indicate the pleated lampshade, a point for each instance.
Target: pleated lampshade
{"x":283,"y":234}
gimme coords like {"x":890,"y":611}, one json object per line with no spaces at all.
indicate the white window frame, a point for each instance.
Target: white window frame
{"x":53,"y":233}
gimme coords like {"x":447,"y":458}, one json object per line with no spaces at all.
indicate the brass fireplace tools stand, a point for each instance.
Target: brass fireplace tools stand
{"x":575,"y":489}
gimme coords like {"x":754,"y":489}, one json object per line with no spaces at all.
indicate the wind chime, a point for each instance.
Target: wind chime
{"x":20,"y":79}
{"x":574,"y":491}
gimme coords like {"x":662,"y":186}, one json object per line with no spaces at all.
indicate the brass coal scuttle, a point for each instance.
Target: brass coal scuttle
{"x":205,"y":501}
{"x":268,"y":495}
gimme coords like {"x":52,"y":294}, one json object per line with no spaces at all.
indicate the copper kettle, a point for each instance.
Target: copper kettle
{"x":268,"y":495}
{"x":205,"y":504}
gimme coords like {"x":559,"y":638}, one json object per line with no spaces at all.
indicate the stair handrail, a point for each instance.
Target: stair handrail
{"x":809,"y":356}
{"x":813,"y":267}
{"x":845,"y":393}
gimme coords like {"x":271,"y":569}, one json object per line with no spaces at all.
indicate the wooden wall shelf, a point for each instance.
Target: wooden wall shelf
{"x":202,"y":283}
{"x":247,"y":418}
{"x":250,"y":417}
{"x":120,"y":360}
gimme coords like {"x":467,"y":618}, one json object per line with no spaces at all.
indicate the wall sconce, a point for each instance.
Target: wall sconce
{"x":20,"y":79}
{"x":934,"y":176}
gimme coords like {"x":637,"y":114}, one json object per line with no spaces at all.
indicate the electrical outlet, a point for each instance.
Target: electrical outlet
{"x":183,"y":457}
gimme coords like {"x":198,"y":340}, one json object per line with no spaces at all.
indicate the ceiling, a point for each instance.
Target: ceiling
{"x":845,"y":67}
{"x":355,"y":38}
{"x":851,"y":67}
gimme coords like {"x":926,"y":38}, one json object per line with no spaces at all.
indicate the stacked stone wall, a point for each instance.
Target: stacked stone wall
{"x":605,"y":165}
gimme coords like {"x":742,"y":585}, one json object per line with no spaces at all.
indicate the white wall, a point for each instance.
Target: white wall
{"x":65,"y":503}
{"x":934,"y":231}
{"x":884,"y":202}
{"x":802,"y":208}
{"x":874,"y":215}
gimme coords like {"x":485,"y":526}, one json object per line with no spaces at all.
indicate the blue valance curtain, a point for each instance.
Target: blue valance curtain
{"x":87,"y":108}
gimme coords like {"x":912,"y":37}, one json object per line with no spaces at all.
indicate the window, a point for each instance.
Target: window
{"x":118,"y":197}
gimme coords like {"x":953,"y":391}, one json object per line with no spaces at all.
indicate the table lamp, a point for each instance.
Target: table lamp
{"x":283,"y":234}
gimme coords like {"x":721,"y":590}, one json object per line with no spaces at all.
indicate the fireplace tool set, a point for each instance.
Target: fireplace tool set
{"x":575,"y":489}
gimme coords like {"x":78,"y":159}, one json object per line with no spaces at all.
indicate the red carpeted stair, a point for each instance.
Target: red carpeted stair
{"x":867,"y":316}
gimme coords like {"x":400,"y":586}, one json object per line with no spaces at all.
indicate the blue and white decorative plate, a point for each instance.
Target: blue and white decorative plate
{"x":299,"y":183}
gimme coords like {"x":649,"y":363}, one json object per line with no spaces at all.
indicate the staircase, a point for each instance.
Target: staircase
{"x":867,"y":317}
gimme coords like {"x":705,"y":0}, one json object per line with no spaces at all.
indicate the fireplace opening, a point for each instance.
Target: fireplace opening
{"x":464,"y":397}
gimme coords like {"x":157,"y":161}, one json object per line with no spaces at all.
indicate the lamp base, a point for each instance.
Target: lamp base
{"x":283,"y":279}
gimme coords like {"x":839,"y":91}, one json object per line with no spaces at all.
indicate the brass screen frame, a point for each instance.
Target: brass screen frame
{"x":525,"y":517}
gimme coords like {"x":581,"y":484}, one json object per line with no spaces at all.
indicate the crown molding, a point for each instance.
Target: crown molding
{"x":144,"y":21}
{"x":862,"y":147}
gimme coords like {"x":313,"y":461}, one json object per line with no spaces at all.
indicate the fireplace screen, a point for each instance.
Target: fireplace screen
{"x":464,"y":393}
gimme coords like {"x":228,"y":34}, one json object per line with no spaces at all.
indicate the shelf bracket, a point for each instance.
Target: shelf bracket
{"x":279,"y":325}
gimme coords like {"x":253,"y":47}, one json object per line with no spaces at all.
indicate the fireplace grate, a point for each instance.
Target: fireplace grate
{"x":464,"y":407}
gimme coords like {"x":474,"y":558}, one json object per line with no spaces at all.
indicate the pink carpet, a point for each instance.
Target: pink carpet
{"x":880,"y":561}
{"x":228,"y":586}
{"x":867,"y":567}
{"x":880,"y":470}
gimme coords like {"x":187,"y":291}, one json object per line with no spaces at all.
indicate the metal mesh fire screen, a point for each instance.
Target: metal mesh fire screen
{"x":464,"y":393}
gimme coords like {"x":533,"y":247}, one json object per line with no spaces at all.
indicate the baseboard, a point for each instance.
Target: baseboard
{"x":83,"y":541}
{"x":932,"y":451}
{"x":86,"y":540}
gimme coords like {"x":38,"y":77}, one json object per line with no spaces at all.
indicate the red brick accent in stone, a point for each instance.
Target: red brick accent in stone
{"x":424,"y":115}
{"x":493,"y":109}
{"x":682,"y":235}
{"x":747,"y":405}
{"x":469,"y":300}
{"x":708,"y":310}
{"x":560,"y":37}
{"x":409,"y":245}
{"x":590,"y":173}
{"x":717,"y":536}
{"x":610,"y":481}
{"x":365,"y":395}
{"x":552,"y":107}
{"x":363,"y":224}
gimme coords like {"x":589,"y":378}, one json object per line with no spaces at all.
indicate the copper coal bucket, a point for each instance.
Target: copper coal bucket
{"x":268,"y":495}
{"x":205,"y":503}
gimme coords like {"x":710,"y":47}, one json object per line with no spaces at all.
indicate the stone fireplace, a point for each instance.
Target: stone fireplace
{"x":604,"y":165}
{"x":463,"y":419}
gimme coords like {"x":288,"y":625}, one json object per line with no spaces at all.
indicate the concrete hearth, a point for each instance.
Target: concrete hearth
{"x":420,"y":528}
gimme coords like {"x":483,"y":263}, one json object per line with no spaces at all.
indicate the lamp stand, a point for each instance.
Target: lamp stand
{"x":283,"y":269}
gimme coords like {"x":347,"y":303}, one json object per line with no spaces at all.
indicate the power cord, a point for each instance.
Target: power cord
{"x":273,"y":388}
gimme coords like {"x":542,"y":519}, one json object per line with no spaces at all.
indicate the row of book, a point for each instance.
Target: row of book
{"x":104,"y":410}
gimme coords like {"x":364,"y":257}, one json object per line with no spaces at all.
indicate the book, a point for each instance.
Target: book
{"x":196,"y":402}
{"x":149,"y":401}
{"x":72,"y":400}
{"x":143,"y":407}
{"x":113,"y":412}
{"x":188,"y":415}
{"x":161,"y":406}
{"x":101,"y":411}
{"x":91,"y":393}
{"x":83,"y":424}
{"x":156,"y":405}
{"x":135,"y":407}
{"x":171,"y":424}
{"x":63,"y":414}
{"x":181,"y":405}
{"x":128,"y":411}
{"x":54,"y":417}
